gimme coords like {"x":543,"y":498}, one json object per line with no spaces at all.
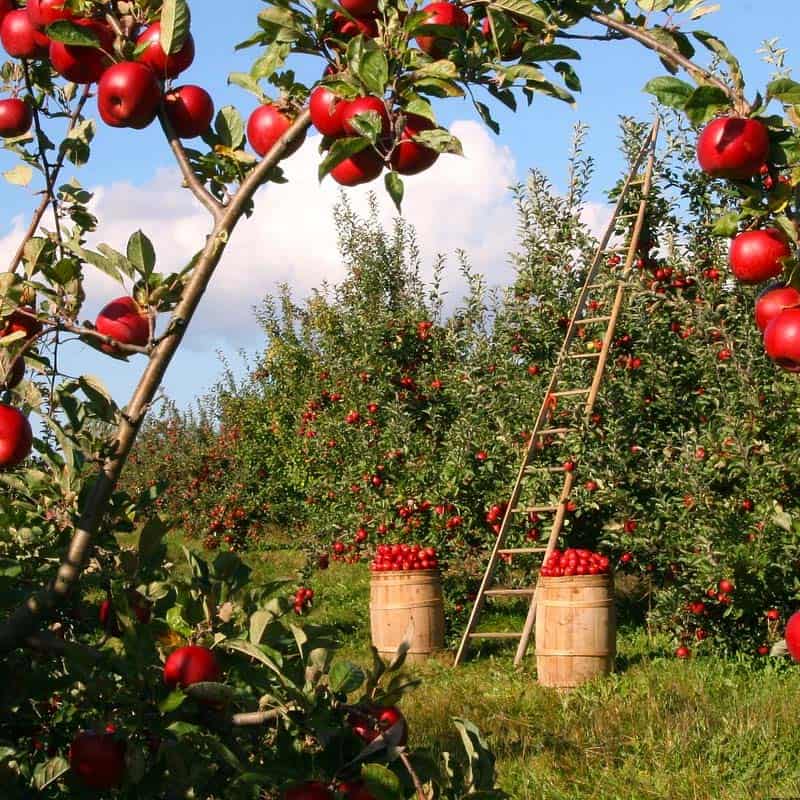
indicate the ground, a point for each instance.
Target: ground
{"x":704,"y":729}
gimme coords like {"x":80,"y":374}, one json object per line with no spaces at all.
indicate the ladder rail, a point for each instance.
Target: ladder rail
{"x":547,"y":407}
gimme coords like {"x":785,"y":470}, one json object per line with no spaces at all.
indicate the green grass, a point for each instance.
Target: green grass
{"x":659,"y":728}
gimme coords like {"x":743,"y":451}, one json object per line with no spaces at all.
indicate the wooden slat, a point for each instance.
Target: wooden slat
{"x":592,"y":320}
{"x":571,"y":392}
{"x":584,"y":355}
{"x":521,"y":550}
{"x":503,"y":591}
{"x":495,"y":635}
{"x":553,"y":431}
{"x":535,"y":509}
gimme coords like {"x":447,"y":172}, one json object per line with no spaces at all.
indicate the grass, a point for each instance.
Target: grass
{"x":704,"y":729}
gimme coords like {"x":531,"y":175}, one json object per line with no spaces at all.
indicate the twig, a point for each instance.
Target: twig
{"x":214,"y":207}
{"x":39,"y":213}
{"x":699,"y":73}
{"x":414,"y":777}
{"x":256,"y":717}
{"x":26,"y":618}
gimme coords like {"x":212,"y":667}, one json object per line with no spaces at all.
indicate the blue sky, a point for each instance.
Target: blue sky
{"x":132,"y":170}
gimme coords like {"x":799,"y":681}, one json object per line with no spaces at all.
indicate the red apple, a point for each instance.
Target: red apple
{"x":347,"y":28}
{"x":683,"y":652}
{"x":733,"y":147}
{"x":410,"y":157}
{"x":310,"y":790}
{"x":84,"y":64}
{"x":726,"y":587}
{"x":362,"y":105}
{"x":16,"y":437}
{"x":514,"y":50}
{"x":266,"y":125}
{"x":192,"y":664}
{"x":128,"y":95}
{"x":5,"y":7}
{"x":125,"y":321}
{"x":359,"y":8}
{"x":755,"y":256}
{"x":355,"y":790}
{"x":326,"y":111}
{"x":98,"y":759}
{"x":447,"y":14}
{"x":20,"y":38}
{"x":772,"y":301}
{"x":782,"y":339}
{"x":16,"y":118}
{"x":165,"y":66}
{"x":792,"y":635}
{"x":19,"y":322}
{"x":45,"y":12}
{"x":362,"y":167}
{"x":190,"y":110}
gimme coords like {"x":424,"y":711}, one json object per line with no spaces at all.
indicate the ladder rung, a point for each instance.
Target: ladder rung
{"x":590,"y":320}
{"x":495,"y":636}
{"x":553,"y":431}
{"x":570,"y":392}
{"x":521,"y":550}
{"x":534,"y":510}
{"x":623,"y":248}
{"x":531,"y":469}
{"x":505,"y":592}
{"x":585,"y":355}
{"x":627,"y":216}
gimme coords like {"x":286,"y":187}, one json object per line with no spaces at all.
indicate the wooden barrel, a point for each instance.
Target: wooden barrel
{"x":576,"y":629}
{"x":400,"y":598}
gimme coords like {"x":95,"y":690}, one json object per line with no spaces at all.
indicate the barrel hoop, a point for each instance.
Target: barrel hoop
{"x":421,"y":604}
{"x":577,"y":653}
{"x":577,"y":603}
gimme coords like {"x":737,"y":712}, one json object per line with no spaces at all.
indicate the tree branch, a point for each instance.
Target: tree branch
{"x":414,"y":777}
{"x":256,"y":717}
{"x":26,"y":618}
{"x":193,"y":183}
{"x":40,"y":211}
{"x":697,"y":72}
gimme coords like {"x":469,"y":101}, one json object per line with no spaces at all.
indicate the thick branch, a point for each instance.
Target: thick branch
{"x":28,"y":617}
{"x":214,"y":207}
{"x":40,"y":211}
{"x":697,"y":72}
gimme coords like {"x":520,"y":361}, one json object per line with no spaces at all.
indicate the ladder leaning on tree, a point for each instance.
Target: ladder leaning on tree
{"x":544,"y":427}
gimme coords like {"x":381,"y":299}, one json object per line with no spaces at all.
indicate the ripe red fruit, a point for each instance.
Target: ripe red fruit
{"x":773,"y":614}
{"x":355,"y":790}
{"x":726,"y":587}
{"x":782,"y":339}
{"x":125,"y":321}
{"x":362,"y":167}
{"x":128,"y":95}
{"x":84,"y":64}
{"x":190,"y":110}
{"x":683,"y":652}
{"x":410,"y":157}
{"x":755,"y":256}
{"x":19,"y":37}
{"x":165,"y":66}
{"x":265,"y":126}
{"x":792,"y":636}
{"x":359,"y":8}
{"x":310,"y":790}
{"x":733,"y":147}
{"x":362,"y":105}
{"x":383,"y":719}
{"x":16,"y":437}
{"x":326,"y":111}
{"x":18,"y":322}
{"x":345,"y":27}
{"x":16,"y":118}
{"x":772,"y":301}
{"x":441,"y":14}
{"x":192,"y":664}
{"x":98,"y":759}
{"x":45,"y":12}
{"x":5,"y":7}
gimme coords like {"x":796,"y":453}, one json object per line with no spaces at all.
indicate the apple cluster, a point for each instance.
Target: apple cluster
{"x":303,"y":599}
{"x":404,"y":557}
{"x":572,"y":561}
{"x":737,"y":149}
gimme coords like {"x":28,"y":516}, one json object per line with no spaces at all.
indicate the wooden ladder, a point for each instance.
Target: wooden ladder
{"x":544,"y":426}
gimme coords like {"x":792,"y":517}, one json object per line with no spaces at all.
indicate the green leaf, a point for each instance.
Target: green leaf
{"x":785,"y":90}
{"x":174,"y":25}
{"x":720,"y":49}
{"x":99,"y":397}
{"x":229,"y":127}
{"x":345,"y":677}
{"x":395,"y":188}
{"x":172,"y":702}
{"x":48,"y":773}
{"x":141,"y":254}
{"x":727,"y":225}
{"x":374,"y":71}
{"x":480,"y":774}
{"x":549,"y":52}
{"x":381,"y":782}
{"x":74,"y":35}
{"x":440,"y":140}
{"x":340,"y":150}
{"x":150,"y":538}
{"x":525,"y":9}
{"x":242,"y":646}
{"x":21,"y":175}
{"x":246,"y":82}
{"x":669,"y":91}
{"x":704,"y":103}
